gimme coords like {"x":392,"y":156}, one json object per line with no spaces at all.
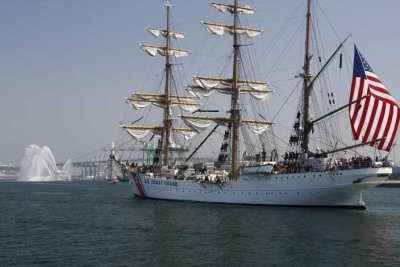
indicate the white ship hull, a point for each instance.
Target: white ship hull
{"x":337,"y":189}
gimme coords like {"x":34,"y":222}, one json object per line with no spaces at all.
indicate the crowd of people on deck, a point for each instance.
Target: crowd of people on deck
{"x":291,"y":163}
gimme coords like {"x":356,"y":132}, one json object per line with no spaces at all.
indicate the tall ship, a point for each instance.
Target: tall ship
{"x":301,"y":174}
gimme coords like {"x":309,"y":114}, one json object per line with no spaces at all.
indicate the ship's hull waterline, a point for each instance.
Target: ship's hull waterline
{"x":320,"y":189}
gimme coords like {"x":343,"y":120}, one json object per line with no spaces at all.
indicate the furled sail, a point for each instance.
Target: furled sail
{"x":256,"y":126}
{"x":187,"y":133}
{"x":210,"y":82}
{"x":200,"y":123}
{"x":220,"y":29}
{"x":153,"y":50}
{"x":260,"y":94}
{"x":376,"y":116}
{"x":199,"y":91}
{"x":246,"y":10}
{"x":140,"y":132}
{"x":139,"y":100}
{"x":202,"y":92}
{"x":158,"y":32}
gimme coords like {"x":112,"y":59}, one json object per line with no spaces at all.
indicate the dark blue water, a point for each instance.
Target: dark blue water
{"x":96,"y":224}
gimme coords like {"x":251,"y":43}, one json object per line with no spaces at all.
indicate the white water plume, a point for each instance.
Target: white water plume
{"x":39,"y":164}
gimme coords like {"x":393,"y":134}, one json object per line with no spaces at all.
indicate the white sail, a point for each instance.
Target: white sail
{"x":260,"y":95}
{"x":246,"y":10}
{"x":220,"y":29}
{"x":211,"y":82}
{"x":257,"y":128}
{"x":186,"y":103}
{"x":197,"y":124}
{"x":158,"y":32}
{"x":189,"y":108}
{"x":153,"y":50}
{"x":206,"y":89}
{"x":199,"y":91}
{"x":138,"y":134}
{"x":187,"y":135}
{"x":206,"y":84}
{"x":200,"y":123}
{"x":257,"y":86}
{"x":138,"y":105}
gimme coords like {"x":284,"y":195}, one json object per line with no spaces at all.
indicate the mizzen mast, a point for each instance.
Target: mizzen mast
{"x":307,"y":85}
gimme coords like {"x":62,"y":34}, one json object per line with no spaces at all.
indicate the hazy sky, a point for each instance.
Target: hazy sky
{"x":67,"y":65}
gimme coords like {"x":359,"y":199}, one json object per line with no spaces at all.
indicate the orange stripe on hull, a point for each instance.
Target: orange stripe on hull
{"x":138,"y":184}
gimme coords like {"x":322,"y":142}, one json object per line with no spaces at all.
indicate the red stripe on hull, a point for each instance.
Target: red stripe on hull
{"x":138,"y":184}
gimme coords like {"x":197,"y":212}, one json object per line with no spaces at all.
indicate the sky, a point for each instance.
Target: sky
{"x":67,"y":65}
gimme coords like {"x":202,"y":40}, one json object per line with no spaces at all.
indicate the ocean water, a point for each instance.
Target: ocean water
{"x":93,"y":223}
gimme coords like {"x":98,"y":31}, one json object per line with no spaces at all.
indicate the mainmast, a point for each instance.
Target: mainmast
{"x":167,"y":110}
{"x":307,"y":86}
{"x":233,"y":85}
{"x":235,"y":111}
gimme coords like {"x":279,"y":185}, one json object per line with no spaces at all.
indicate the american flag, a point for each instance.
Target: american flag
{"x":377,"y":115}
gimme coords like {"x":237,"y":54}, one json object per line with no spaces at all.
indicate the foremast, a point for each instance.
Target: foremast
{"x":167,"y":100}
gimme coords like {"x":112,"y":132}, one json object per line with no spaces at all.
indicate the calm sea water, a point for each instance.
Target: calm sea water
{"x":96,"y":224}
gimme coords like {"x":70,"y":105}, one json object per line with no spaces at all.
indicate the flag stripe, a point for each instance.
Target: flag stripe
{"x":396,"y":127}
{"x":385,"y":120}
{"x":371,"y":120}
{"x":380,"y":120}
{"x":381,"y":143}
{"x":363,"y":115}
{"x":359,"y":104}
